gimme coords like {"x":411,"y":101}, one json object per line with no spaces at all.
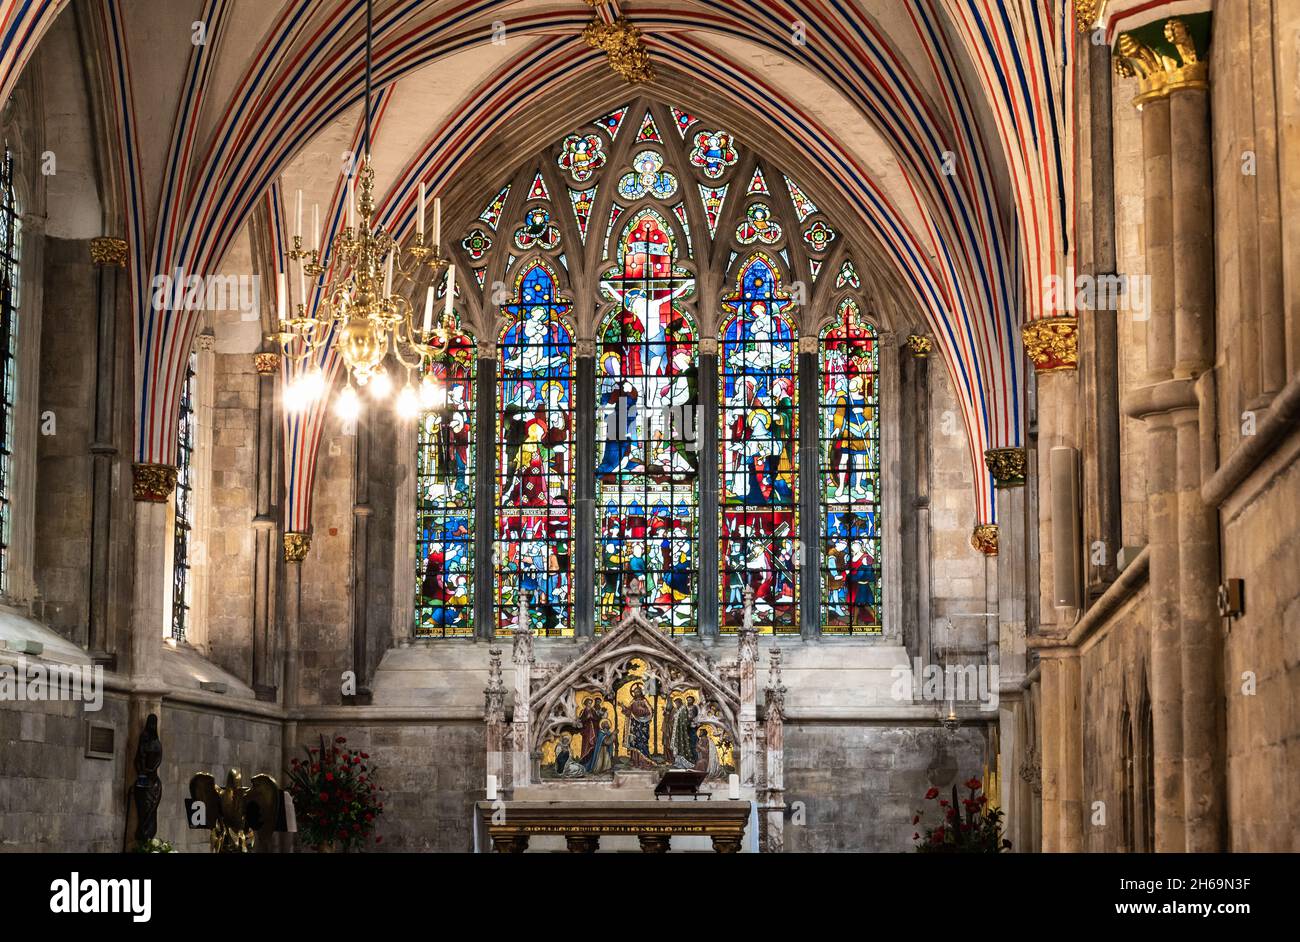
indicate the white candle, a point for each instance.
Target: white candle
{"x":421,"y":210}
{"x":491,"y":788}
{"x":302,"y":284}
{"x":428,"y":310}
{"x":451,"y":288}
{"x":352,"y":204}
{"x":437,"y":221}
{"x":733,"y":786}
{"x":298,"y":231}
{"x":315,"y":226}
{"x":281,"y":289}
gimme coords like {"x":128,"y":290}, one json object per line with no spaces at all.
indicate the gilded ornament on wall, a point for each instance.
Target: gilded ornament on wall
{"x":153,"y":483}
{"x":107,"y":250}
{"x":985,"y":539}
{"x":1053,"y":343}
{"x":296,"y":546}
{"x":919,"y":346}
{"x":623,"y":46}
{"x":1007,"y":465}
{"x":266,"y":363}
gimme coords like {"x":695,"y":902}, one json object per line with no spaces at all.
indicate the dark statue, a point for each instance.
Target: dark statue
{"x":147,"y":790}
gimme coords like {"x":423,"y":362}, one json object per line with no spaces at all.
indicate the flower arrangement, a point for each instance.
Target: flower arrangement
{"x":968,"y":827}
{"x":335,"y":796}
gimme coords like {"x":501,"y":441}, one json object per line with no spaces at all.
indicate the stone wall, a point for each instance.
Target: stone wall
{"x":861,"y":784}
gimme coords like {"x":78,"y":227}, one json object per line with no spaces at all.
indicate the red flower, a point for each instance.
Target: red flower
{"x":952,"y":813}
{"x":932,"y":793}
{"x":329,"y":776}
{"x":340,"y":739}
{"x":943,"y":802}
{"x":379,"y":839}
{"x":937,"y":836}
{"x":324,"y":796}
{"x":369,"y":816}
{"x":365,"y":755}
{"x":973,"y":784}
{"x":981,"y":801}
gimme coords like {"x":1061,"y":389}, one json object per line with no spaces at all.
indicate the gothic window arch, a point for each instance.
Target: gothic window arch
{"x":10,"y":303}
{"x":644,"y":234}
{"x":445,"y":495}
{"x":535,"y":452}
{"x":849,"y":469}
{"x":759,"y":526}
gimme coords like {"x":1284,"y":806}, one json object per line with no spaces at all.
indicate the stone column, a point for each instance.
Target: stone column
{"x":1062,"y":751}
{"x":584,"y":555}
{"x":917,"y":453}
{"x":485,"y":489}
{"x":153,"y":485}
{"x":108,"y":255}
{"x":707,"y":435}
{"x":891,"y":496}
{"x":1007,"y":661}
{"x":361,"y":513}
{"x":296,"y":547}
{"x":521,"y":732}
{"x":264,"y":527}
{"x":774,"y":739}
{"x":809,"y":492}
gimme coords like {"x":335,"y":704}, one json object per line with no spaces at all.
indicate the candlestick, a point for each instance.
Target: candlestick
{"x":302,"y":284}
{"x":281,"y":289}
{"x":451,"y":288}
{"x":421,"y":210}
{"x":428,"y":311}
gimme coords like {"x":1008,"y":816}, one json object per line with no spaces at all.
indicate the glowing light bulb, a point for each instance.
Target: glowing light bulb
{"x":312,"y":384}
{"x":408,"y":403}
{"x":348,"y":406}
{"x":380,"y":385}
{"x":428,"y":391}
{"x":293,"y":397}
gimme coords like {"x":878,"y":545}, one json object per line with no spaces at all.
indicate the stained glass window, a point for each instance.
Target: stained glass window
{"x":849,"y":433}
{"x":535,"y":393}
{"x":444,"y":500}
{"x":184,"y":523}
{"x":10,"y":285}
{"x":759,"y":516}
{"x":647,"y":494}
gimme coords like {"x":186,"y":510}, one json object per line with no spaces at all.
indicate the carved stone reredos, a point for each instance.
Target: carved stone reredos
{"x":634,"y":636}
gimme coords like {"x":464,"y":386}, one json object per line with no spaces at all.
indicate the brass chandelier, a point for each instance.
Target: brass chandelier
{"x":358,"y":313}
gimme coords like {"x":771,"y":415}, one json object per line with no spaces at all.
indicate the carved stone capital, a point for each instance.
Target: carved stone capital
{"x":1007,"y":465}
{"x":266,"y":363}
{"x":153,"y":483}
{"x":296,"y":546}
{"x":919,"y":346}
{"x":585,"y":348}
{"x":206,"y":342}
{"x":1052,"y":343}
{"x":709,"y":346}
{"x":985,"y":539}
{"x":107,"y":250}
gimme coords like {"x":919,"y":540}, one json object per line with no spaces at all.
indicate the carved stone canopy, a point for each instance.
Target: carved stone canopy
{"x":626,"y":691}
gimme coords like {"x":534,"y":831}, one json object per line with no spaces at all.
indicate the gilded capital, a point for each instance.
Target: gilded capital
{"x":1007,"y":465}
{"x":266,"y":363}
{"x":296,"y":546}
{"x":919,"y":346}
{"x":106,"y":250}
{"x":985,"y":539}
{"x":153,"y":483}
{"x":1087,"y":13}
{"x":1053,"y":343}
{"x":1164,"y":57}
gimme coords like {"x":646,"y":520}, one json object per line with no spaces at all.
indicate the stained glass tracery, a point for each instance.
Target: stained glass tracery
{"x":849,"y":433}
{"x":534,"y":470}
{"x":759,"y":524}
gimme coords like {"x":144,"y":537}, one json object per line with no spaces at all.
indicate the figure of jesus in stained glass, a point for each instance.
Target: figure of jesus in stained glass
{"x":535,"y":457}
{"x":647,"y":455}
{"x":444,"y":497}
{"x":759,"y":523}
{"x":850,"y":474}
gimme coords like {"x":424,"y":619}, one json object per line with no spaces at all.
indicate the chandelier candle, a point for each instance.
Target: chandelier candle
{"x":315,"y":227}
{"x":437,"y":222}
{"x":428,"y":312}
{"x":282,"y":287}
{"x":421,"y":210}
{"x":451,"y":289}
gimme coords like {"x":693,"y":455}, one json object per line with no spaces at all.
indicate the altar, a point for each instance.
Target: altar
{"x":579,"y":763}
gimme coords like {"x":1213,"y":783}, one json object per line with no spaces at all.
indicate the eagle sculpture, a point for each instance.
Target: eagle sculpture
{"x":242,"y":817}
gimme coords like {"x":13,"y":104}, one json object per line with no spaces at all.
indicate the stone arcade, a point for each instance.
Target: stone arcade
{"x":546,"y":396}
